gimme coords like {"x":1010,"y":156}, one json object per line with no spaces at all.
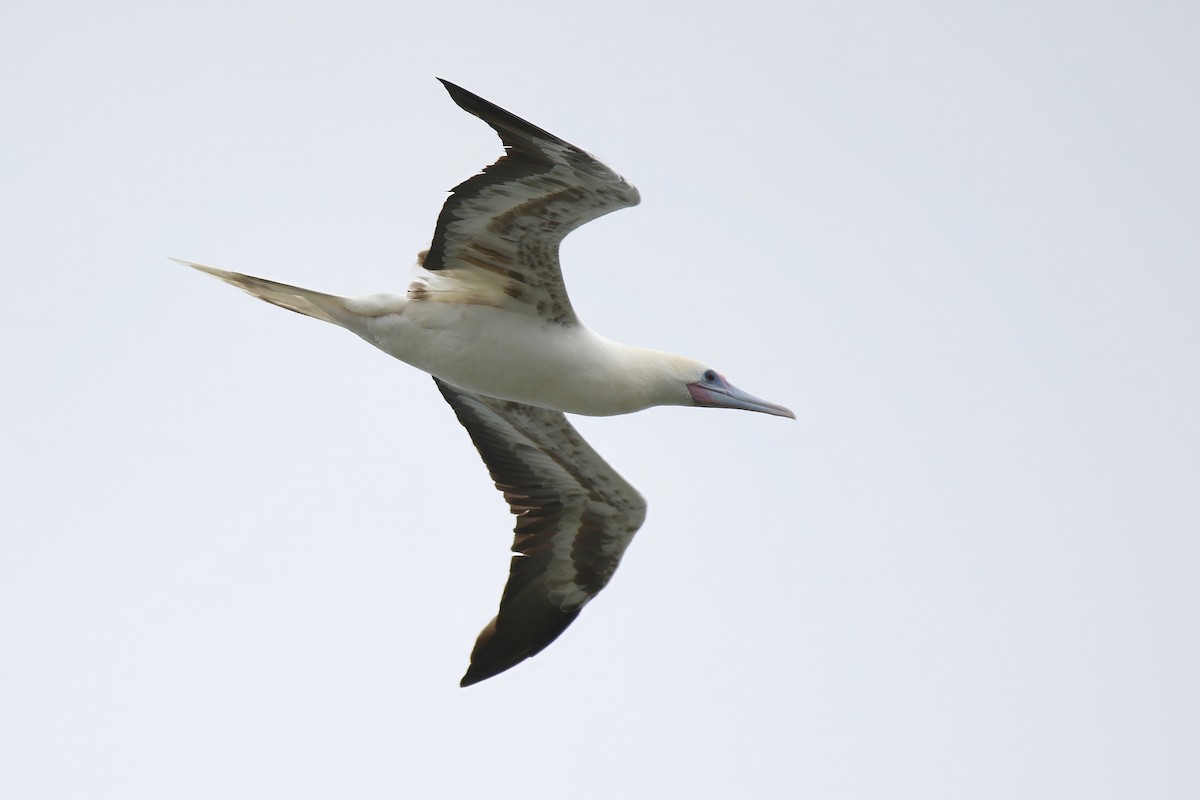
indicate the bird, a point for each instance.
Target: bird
{"x":487,"y":315}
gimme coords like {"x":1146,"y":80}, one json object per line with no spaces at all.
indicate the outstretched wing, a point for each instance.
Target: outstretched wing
{"x":575,"y":517}
{"x":500,"y":230}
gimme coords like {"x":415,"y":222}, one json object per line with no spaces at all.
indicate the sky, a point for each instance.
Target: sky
{"x":244,"y":555}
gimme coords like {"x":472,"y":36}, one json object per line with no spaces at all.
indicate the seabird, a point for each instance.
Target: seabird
{"x":487,"y":315}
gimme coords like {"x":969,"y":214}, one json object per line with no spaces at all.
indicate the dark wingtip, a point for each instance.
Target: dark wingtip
{"x":472,"y":677}
{"x":513,"y":130}
{"x":489,"y":657}
{"x":462,"y":97}
{"x":520,"y":637}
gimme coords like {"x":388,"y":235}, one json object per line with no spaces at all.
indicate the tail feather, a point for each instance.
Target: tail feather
{"x":326,"y":307}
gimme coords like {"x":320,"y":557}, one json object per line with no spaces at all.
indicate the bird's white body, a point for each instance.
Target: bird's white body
{"x":519,"y":357}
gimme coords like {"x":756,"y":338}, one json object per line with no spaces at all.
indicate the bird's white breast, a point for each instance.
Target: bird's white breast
{"x":507,"y":355}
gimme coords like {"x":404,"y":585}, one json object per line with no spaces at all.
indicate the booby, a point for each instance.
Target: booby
{"x":487,"y":315}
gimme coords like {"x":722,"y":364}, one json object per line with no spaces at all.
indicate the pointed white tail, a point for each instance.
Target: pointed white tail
{"x":326,"y":307}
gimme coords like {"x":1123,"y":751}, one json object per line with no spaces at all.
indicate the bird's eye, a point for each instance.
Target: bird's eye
{"x":710,"y":376}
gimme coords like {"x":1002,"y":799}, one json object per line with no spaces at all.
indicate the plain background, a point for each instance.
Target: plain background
{"x":245,"y":555}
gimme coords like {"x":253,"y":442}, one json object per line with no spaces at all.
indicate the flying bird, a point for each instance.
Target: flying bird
{"x":487,"y":315}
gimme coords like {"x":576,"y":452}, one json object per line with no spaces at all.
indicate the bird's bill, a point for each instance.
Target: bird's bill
{"x":723,"y":394}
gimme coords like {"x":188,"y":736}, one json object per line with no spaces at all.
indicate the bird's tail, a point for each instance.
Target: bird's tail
{"x":326,"y":307}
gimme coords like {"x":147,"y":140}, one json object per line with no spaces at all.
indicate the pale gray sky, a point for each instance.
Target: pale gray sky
{"x":244,"y":555}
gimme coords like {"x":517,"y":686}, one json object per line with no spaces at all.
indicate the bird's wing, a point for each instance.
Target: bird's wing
{"x":500,"y":230}
{"x":575,"y":517}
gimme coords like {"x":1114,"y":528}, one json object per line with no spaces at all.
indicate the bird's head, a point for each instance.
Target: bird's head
{"x":656,"y":378}
{"x":710,"y":389}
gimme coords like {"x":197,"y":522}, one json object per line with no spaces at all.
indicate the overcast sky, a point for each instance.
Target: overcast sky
{"x":244,"y":555}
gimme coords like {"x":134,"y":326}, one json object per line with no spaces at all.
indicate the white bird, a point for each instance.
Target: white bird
{"x":487,"y":316}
